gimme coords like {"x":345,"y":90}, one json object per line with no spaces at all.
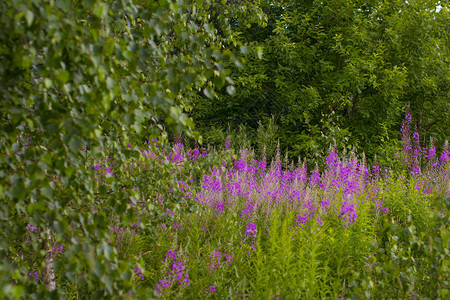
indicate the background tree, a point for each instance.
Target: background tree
{"x":341,"y":71}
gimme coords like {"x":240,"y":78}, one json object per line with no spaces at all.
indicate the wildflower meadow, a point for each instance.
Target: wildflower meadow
{"x":233,"y":226}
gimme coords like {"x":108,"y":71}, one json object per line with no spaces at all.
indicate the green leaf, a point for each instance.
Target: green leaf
{"x":219,"y":81}
{"x":259,"y":52}
{"x":75,"y":145}
{"x":47,"y":192}
{"x":47,"y":83}
{"x":103,"y":189}
{"x":63,"y":4}
{"x":63,"y":76}
{"x":69,"y":171}
{"x":29,"y":17}
{"x":208,"y":92}
{"x":231,"y":90}
{"x":188,"y":77}
{"x":17,"y":291}
{"x":101,"y":10}
{"x":18,"y":190}
{"x":245,"y":50}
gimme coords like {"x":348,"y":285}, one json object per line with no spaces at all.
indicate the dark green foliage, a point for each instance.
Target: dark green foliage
{"x":340,"y":71}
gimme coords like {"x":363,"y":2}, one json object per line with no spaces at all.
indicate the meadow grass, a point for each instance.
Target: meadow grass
{"x":280,"y":232}
{"x":230,"y":226}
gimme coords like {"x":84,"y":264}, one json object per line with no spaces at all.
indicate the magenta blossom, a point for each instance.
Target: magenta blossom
{"x":210,"y":290}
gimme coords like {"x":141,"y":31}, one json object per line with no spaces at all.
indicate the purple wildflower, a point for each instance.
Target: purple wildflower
{"x":210,"y":290}
{"x":229,"y":258}
{"x":172,"y":255}
{"x":176,"y":226}
{"x":215,"y":260}
{"x":161,"y":285}
{"x":30,"y":228}
{"x":138,"y":273}
{"x":58,"y":249}
{"x":301,"y":220}
{"x":314,"y":179}
{"x":35,"y":275}
{"x":348,"y":212}
{"x":331,"y":159}
{"x":251,"y":230}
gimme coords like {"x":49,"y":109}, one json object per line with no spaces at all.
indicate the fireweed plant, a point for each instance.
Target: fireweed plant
{"x":227,"y":225}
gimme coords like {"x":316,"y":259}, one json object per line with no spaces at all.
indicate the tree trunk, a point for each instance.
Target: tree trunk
{"x":48,"y":274}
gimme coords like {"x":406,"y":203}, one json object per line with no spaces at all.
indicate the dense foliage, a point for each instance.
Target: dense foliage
{"x":96,"y":203}
{"x":342,"y":71}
